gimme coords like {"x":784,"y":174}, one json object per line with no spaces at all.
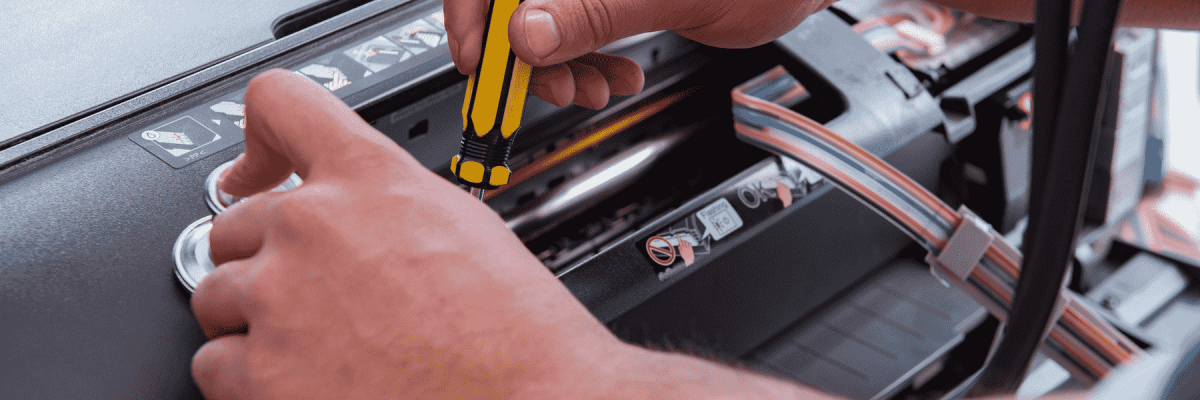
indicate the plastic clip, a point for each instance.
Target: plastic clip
{"x":966,"y":247}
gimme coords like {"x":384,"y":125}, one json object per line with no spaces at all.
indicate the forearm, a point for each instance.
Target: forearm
{"x":648,"y":374}
{"x":1170,"y":14}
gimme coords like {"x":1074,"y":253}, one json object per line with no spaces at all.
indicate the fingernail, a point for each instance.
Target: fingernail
{"x":561,"y":101}
{"x":541,"y":35}
{"x":555,"y":98}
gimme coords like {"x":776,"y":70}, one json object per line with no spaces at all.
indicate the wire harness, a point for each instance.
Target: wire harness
{"x":963,"y":249}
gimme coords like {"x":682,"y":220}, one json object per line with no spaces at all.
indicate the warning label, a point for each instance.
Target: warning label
{"x":230,"y":111}
{"x":194,"y":134}
{"x":418,"y":36}
{"x":719,"y":219}
{"x":378,"y":54}
{"x":181,"y":136}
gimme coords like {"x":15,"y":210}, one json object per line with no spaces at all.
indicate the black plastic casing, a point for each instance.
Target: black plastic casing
{"x":90,"y":306}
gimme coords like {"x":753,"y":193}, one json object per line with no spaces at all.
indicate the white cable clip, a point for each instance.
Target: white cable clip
{"x":966,"y":247}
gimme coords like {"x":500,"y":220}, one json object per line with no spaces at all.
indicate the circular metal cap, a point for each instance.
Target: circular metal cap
{"x":193,"y":261}
{"x":218,"y":201}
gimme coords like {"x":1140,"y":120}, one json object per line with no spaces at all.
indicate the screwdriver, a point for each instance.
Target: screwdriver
{"x":492,"y":107}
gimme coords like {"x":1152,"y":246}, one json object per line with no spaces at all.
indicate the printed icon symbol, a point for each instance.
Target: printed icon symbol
{"x":234,"y":112}
{"x":660,"y":250}
{"x":719,"y":219}
{"x":418,"y":36}
{"x":784,"y":192}
{"x":378,"y":54}
{"x":430,"y":39}
{"x":168,"y":137}
{"x":686,"y":252}
{"x":749,"y":196}
{"x":329,"y":77}
{"x":229,"y":108}
{"x":181,"y":136}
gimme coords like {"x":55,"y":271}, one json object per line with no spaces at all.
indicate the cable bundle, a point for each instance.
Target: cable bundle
{"x":1079,"y":340}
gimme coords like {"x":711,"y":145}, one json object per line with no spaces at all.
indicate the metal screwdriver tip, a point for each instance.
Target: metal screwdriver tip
{"x":478,"y":193}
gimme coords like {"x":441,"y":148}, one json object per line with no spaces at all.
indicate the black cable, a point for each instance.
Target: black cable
{"x":1051,"y":32}
{"x":1063,"y":152}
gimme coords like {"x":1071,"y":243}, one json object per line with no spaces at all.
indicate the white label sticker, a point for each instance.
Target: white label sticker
{"x":719,"y":219}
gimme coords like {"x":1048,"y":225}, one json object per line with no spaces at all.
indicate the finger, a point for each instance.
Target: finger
{"x":293,"y":124}
{"x":544,"y":32}
{"x":591,"y":89}
{"x":623,"y":75}
{"x":219,"y":368}
{"x":464,"y":29}
{"x":554,"y":84}
{"x":217,"y":302}
{"x":238,"y":231}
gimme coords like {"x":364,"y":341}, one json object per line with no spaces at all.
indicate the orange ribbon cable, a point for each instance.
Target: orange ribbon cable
{"x":960,"y":244}
{"x":591,"y":138}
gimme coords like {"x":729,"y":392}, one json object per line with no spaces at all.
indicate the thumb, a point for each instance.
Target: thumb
{"x":546,"y":32}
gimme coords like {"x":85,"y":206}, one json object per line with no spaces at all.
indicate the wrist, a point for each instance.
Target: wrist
{"x":639,"y":373}
{"x":665,"y":375}
{"x":588,"y":369}
{"x":611,"y":369}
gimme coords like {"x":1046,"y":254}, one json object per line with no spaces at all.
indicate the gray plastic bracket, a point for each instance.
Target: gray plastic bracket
{"x":966,"y":246}
{"x":1064,"y":300}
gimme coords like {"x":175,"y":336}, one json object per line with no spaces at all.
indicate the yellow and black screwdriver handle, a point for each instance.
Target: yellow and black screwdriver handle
{"x":493,"y":106}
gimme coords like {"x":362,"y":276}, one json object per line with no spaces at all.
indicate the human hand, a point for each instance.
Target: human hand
{"x":560,"y":38}
{"x":376,"y":278}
